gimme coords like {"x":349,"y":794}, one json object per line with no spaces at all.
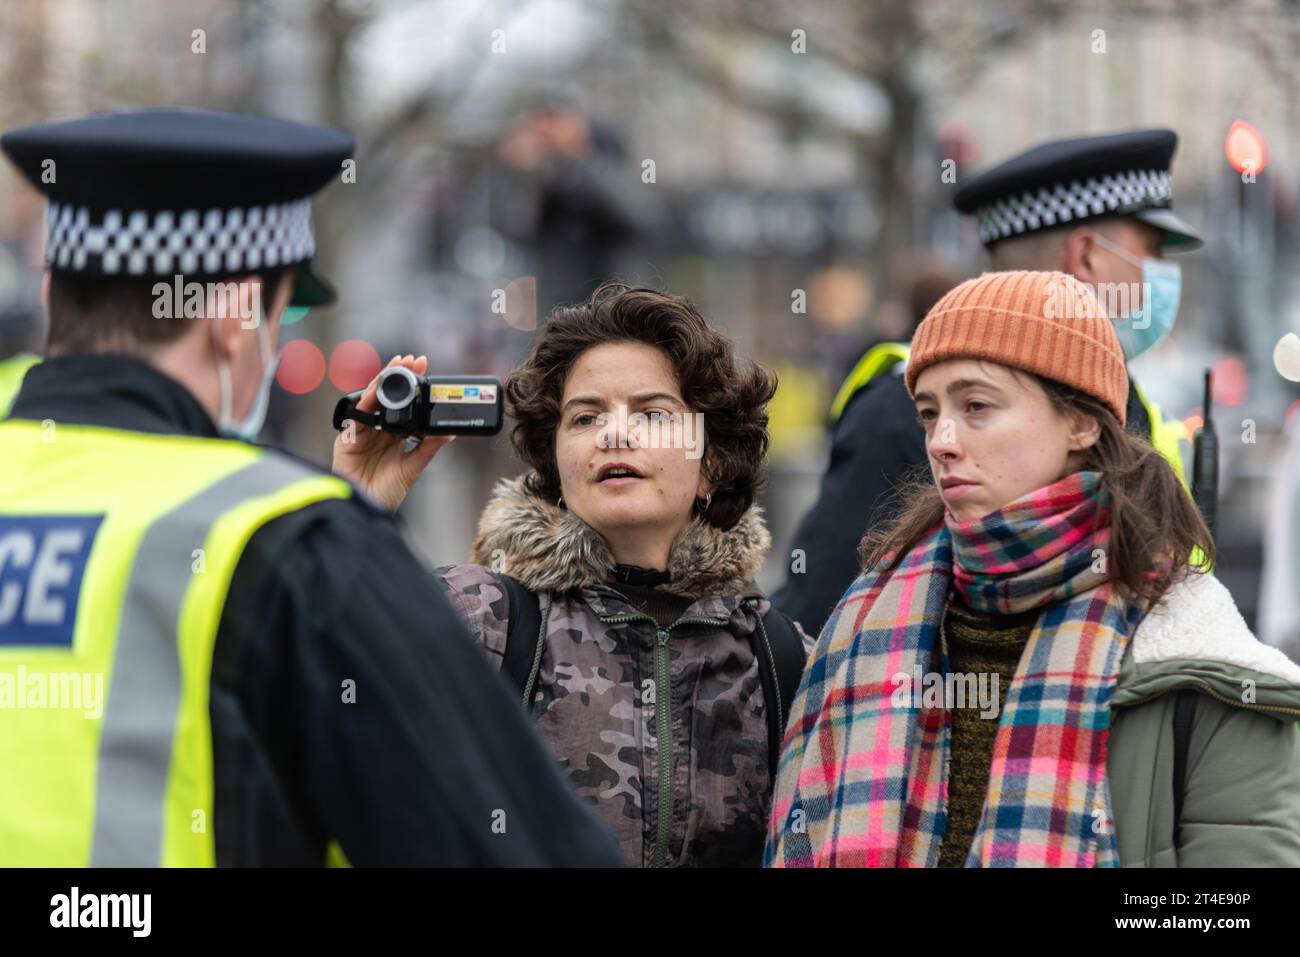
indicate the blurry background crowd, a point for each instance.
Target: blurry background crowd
{"x":789,"y":166}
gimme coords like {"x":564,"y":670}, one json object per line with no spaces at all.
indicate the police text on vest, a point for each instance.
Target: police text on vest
{"x":42,"y":560}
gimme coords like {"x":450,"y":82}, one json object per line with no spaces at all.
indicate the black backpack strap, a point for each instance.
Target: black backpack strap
{"x":523,"y":636}
{"x":781,"y":655}
{"x":1184,"y":709}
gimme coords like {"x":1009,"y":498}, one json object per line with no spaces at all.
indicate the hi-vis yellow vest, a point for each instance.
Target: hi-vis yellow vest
{"x":116,"y":552}
{"x":12,"y":371}
{"x":1166,"y":436}
{"x":878,"y":359}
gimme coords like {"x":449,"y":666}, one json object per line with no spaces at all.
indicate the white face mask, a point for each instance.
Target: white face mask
{"x":1162,"y":282}
{"x":247,"y":429}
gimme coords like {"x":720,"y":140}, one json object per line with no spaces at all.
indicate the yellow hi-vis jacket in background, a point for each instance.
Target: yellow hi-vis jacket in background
{"x":116,"y":552}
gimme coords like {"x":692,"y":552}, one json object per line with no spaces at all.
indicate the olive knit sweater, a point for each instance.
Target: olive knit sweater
{"x":979,"y":644}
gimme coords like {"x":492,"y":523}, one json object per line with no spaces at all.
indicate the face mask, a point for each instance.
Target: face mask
{"x":246,"y":431}
{"x":1162,"y":284}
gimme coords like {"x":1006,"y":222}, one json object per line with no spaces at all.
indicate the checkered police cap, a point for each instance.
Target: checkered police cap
{"x":158,"y":193}
{"x":1070,"y":181}
{"x":1111,"y":195}
{"x":164,"y":242}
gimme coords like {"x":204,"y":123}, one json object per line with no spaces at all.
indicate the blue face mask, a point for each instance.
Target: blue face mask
{"x":247,"y":429}
{"x":1162,"y":285}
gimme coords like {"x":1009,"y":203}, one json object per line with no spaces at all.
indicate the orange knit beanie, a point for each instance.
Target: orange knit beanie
{"x":1047,"y":323}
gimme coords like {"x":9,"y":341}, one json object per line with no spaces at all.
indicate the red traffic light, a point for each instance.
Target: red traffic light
{"x":1247,"y":152}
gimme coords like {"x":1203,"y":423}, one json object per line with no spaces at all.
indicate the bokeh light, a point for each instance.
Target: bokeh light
{"x":1231,"y":381}
{"x":1245,"y":147}
{"x":353,"y":363}
{"x":302,"y":367}
{"x":1286,"y":357}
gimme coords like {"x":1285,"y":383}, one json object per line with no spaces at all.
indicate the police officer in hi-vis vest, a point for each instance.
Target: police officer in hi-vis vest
{"x":1096,"y":207}
{"x":12,"y":370}
{"x":211,"y":653}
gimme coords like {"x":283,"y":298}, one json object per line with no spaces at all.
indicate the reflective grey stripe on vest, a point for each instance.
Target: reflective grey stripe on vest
{"x":139,"y":723}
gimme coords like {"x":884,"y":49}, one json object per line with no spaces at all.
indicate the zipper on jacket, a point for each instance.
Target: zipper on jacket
{"x":663,"y":722}
{"x":1218,"y":697}
{"x":664,"y":734}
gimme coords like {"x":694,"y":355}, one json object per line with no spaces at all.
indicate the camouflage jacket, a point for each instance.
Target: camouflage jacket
{"x":597,"y":697}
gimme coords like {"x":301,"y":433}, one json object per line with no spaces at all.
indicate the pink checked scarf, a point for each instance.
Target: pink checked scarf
{"x":863,"y":782}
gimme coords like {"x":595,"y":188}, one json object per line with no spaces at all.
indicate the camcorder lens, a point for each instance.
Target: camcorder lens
{"x":398,"y":387}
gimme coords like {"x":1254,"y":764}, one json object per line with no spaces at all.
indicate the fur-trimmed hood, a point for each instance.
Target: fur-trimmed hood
{"x":548,"y":548}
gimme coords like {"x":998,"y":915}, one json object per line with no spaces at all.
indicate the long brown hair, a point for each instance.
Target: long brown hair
{"x":1154,"y":526}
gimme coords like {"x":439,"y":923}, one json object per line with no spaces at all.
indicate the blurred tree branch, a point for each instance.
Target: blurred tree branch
{"x":908,"y":51}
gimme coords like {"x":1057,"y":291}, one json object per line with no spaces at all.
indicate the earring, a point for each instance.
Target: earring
{"x":559,"y":502}
{"x":708,"y":500}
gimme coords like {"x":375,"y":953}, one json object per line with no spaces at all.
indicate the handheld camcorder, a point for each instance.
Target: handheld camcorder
{"x":414,"y":405}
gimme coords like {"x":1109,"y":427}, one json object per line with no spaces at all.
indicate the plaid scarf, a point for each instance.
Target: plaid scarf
{"x":863,"y":781}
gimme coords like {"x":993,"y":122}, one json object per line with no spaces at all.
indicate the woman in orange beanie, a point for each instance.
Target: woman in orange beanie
{"x":1034,"y":669}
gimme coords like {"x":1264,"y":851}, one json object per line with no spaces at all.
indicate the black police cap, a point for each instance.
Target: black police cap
{"x":1074,"y":180}
{"x":155,"y":193}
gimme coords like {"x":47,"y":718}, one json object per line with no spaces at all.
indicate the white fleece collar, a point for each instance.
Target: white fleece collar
{"x":1198,"y":620}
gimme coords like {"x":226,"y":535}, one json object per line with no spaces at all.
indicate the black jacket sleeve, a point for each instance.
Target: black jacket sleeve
{"x":350,"y":704}
{"x":877,"y":442}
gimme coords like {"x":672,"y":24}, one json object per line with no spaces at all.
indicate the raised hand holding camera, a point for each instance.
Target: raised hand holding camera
{"x":416,"y":405}
{"x":374,"y":457}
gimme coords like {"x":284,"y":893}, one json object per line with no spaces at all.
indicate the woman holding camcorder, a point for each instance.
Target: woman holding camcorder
{"x":613,"y":583}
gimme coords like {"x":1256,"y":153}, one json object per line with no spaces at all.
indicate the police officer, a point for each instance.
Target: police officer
{"x":1097,"y":207}
{"x":12,"y":370}
{"x":21,"y":335}
{"x":211,"y":653}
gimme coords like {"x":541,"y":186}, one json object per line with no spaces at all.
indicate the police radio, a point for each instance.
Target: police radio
{"x":414,"y":405}
{"x":1205,"y":464}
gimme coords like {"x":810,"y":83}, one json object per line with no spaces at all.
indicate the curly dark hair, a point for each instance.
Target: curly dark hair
{"x":732,"y":393}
